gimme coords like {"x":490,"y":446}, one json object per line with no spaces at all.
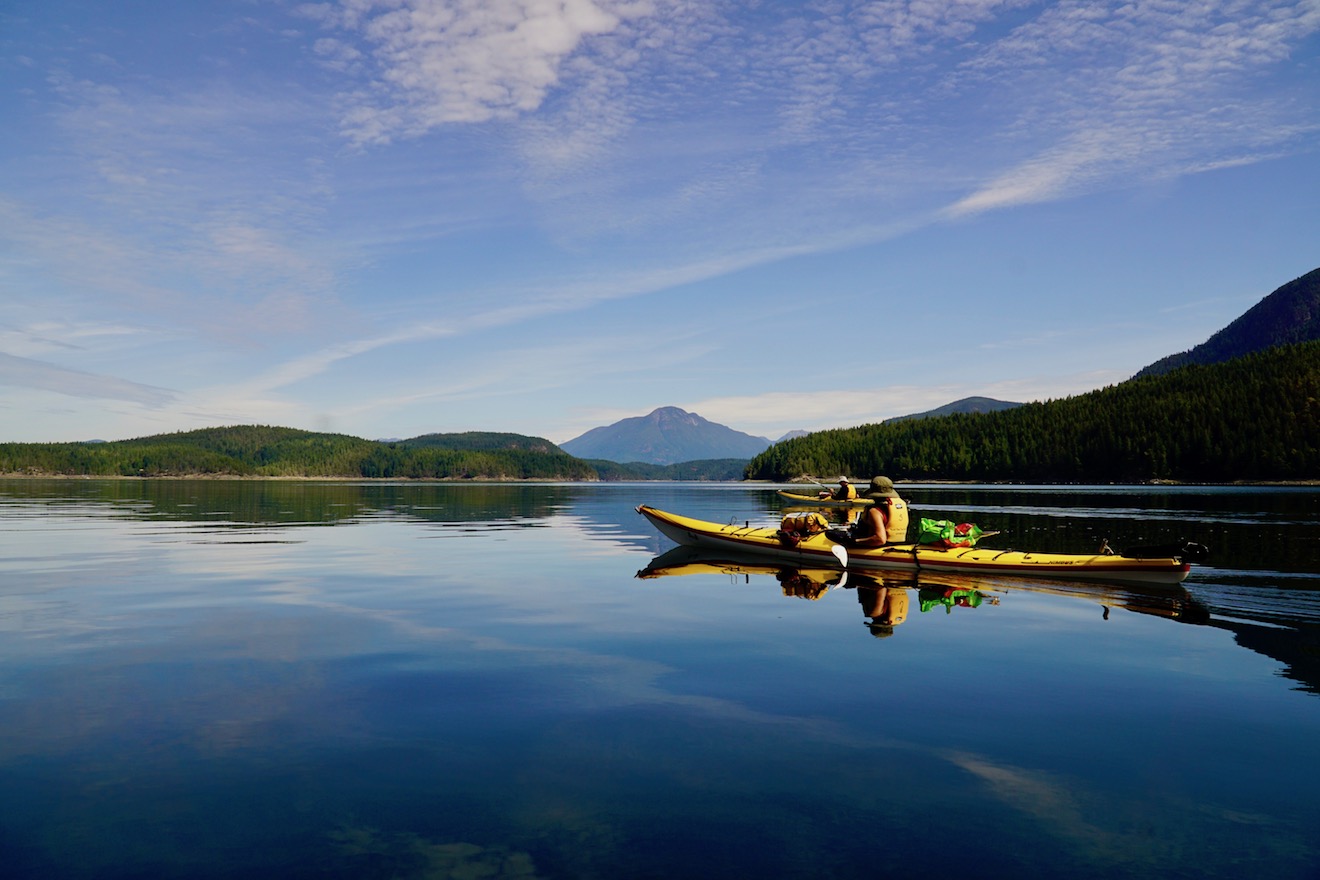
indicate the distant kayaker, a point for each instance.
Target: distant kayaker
{"x":885,"y":521}
{"x":845,"y":492}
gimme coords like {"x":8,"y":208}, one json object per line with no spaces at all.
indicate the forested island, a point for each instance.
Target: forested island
{"x":1255,"y":418}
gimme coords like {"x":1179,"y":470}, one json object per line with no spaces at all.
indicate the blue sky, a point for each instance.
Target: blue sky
{"x":395,"y":217}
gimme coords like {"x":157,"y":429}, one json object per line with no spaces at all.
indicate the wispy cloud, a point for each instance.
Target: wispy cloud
{"x":895,"y":29}
{"x":438,"y":62}
{"x":51,"y":336}
{"x":634,"y":116}
{"x":452,"y":167}
{"x":776,"y":412}
{"x":164,"y":202}
{"x":546,"y":371}
{"x":29,"y":373}
{"x":1144,"y":90}
{"x":486,"y":309}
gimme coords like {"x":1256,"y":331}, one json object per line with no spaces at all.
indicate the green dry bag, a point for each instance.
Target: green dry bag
{"x":945,"y":534}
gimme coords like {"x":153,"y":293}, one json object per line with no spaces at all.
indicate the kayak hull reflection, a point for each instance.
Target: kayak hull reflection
{"x":1171,"y":601}
{"x":817,"y":551}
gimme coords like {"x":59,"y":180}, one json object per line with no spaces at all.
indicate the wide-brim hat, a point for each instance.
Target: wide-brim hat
{"x":881,"y":487}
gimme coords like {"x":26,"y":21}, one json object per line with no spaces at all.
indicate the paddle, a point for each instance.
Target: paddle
{"x":840,"y":553}
{"x":827,"y":488}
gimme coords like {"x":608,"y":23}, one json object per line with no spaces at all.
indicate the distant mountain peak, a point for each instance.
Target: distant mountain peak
{"x":666,"y":435}
{"x":674,"y":415}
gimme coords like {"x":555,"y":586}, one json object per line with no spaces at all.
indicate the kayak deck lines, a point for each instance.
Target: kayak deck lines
{"x":819,"y":549}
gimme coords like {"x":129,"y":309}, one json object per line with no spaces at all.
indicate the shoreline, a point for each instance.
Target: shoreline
{"x":1284,"y":484}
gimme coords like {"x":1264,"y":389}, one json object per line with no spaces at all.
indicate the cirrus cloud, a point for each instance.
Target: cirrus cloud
{"x":440,"y":61}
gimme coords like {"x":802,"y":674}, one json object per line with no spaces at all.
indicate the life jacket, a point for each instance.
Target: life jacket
{"x":898,"y":605}
{"x":889,"y":608}
{"x":896,"y":522}
{"x":846,"y":492}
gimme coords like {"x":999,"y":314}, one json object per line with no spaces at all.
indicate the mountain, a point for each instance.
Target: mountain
{"x":729,"y":470}
{"x":966,"y":405}
{"x":1289,"y":315}
{"x":665,"y":436}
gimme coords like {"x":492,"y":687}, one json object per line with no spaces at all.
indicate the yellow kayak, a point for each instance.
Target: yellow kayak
{"x":814,"y":501}
{"x":1160,"y":600}
{"x":818,"y":551}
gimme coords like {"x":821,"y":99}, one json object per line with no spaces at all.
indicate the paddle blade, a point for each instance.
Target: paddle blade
{"x":840,"y":553}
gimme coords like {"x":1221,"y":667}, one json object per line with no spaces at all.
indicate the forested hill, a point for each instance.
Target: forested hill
{"x":482,"y":441}
{"x":1252,"y":418}
{"x":262,"y":451}
{"x":1289,"y":315}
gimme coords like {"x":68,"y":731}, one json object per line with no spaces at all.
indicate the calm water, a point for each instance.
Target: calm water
{"x":261,"y":679}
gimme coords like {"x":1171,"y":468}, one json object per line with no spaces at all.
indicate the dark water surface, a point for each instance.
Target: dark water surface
{"x":274,"y":679}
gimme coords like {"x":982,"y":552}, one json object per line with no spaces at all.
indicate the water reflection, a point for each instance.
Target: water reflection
{"x":884,"y":593}
{"x":950,"y":598}
{"x":885,"y":606}
{"x":411,"y":680}
{"x":373,"y":854}
{"x":237,"y":503}
{"x":222,"y":509}
{"x":1274,"y":530}
{"x":1288,"y":632}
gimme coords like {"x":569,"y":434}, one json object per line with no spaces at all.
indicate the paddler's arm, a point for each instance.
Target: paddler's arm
{"x":878,"y":537}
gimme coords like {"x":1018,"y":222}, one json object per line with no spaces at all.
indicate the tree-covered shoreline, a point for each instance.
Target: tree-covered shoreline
{"x":1254,"y":419}
{"x":267,"y":452}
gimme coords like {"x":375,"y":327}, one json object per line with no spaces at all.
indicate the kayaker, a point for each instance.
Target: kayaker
{"x":845,"y":492}
{"x":885,"y":521}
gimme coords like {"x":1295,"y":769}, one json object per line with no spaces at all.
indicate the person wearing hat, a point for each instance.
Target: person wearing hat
{"x":845,"y":492}
{"x":885,"y":521}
